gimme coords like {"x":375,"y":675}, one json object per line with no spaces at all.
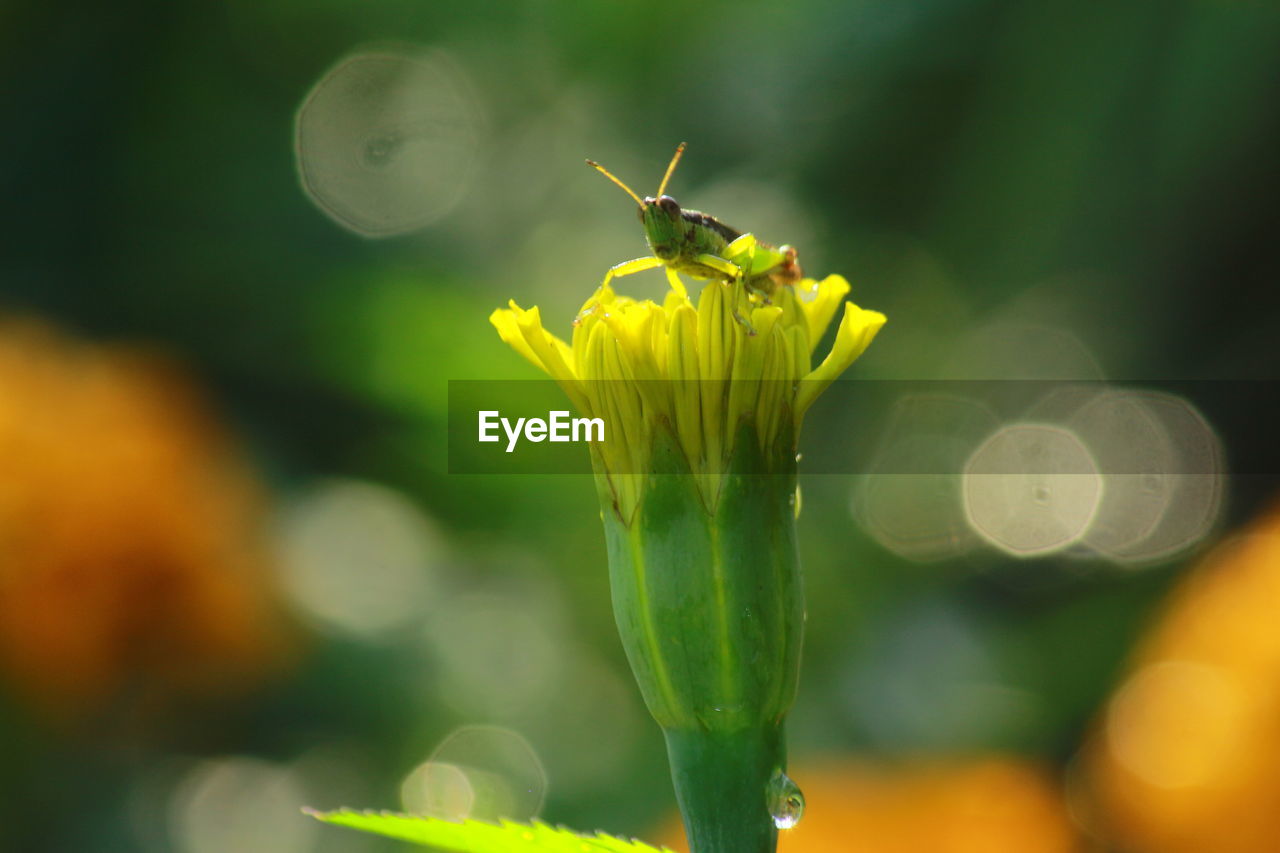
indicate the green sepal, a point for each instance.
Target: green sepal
{"x":709,"y":605}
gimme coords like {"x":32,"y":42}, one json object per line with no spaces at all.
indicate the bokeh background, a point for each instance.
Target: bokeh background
{"x":236,"y":577}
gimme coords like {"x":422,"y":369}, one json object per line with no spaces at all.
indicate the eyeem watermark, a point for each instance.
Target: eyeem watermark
{"x":557,"y":427}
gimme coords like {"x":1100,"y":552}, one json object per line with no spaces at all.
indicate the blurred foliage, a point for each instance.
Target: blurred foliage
{"x":1108,"y":171}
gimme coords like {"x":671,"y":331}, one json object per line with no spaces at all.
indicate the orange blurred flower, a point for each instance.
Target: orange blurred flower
{"x":130,"y":558}
{"x":991,"y":805}
{"x":1185,"y":755}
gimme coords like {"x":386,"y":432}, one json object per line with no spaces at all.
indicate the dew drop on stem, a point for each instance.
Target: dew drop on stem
{"x":785,"y":800}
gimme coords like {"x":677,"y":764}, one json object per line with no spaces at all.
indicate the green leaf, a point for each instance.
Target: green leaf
{"x":474,"y":836}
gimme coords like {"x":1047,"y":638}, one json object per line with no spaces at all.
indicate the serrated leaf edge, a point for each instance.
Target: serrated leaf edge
{"x":599,"y":836}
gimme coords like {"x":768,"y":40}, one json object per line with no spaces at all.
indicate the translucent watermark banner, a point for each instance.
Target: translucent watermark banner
{"x":1090,"y":428}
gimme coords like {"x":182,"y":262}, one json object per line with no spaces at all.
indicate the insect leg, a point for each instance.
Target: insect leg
{"x":735,"y":274}
{"x":762,"y":259}
{"x":630,"y":267}
{"x":743,"y":244}
{"x":624,"y":268}
{"x":789,"y":271}
{"x":727,"y":268}
{"x":768,"y":267}
{"x":676,"y":284}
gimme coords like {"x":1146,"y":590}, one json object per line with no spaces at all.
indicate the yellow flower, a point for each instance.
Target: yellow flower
{"x":703,"y":567}
{"x":701,"y":372}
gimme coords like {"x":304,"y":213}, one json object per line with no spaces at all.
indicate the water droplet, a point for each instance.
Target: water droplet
{"x":786,"y":802}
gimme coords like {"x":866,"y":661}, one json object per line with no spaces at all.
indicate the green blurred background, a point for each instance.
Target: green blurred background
{"x":1107,"y":172}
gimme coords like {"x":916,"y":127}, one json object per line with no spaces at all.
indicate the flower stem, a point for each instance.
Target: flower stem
{"x":721,"y":781}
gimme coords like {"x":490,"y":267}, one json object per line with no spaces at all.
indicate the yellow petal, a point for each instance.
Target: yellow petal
{"x":748,"y":368}
{"x":550,"y":350}
{"x":819,"y":312}
{"x":857,"y":328}
{"x":504,"y":320}
{"x":686,"y":390}
{"x":553,"y":354}
{"x":798,"y":349}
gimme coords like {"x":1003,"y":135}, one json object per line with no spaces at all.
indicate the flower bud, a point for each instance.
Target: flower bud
{"x":697,"y":493}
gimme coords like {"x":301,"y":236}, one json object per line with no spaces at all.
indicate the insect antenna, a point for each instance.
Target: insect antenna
{"x":602,"y":170}
{"x":675,"y":158}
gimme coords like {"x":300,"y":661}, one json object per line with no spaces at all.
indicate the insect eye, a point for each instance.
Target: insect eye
{"x":670,"y":205}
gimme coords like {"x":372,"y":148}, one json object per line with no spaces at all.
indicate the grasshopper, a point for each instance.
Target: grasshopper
{"x":701,"y":246}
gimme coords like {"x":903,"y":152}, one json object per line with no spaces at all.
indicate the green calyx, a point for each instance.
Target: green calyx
{"x":709,"y":604}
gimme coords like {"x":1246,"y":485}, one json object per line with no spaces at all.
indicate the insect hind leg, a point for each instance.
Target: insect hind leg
{"x":734,"y":272}
{"x":724,"y":266}
{"x":768,"y":267}
{"x":789,"y":271}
